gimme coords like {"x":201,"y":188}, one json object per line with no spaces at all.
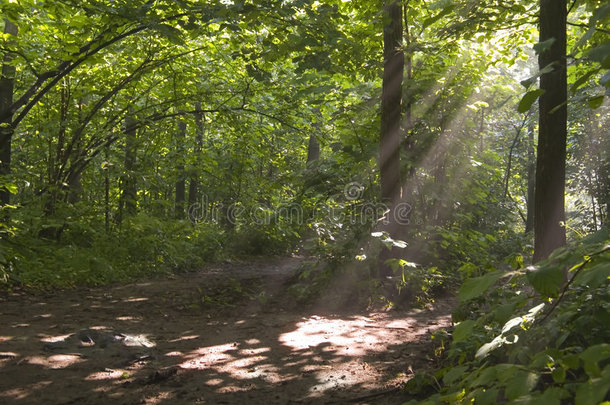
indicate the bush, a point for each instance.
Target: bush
{"x":530,"y":336}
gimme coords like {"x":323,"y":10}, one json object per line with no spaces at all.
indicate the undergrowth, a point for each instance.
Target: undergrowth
{"x":534,"y":335}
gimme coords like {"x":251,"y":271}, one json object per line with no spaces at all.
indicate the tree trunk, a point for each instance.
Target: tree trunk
{"x":129,"y":187}
{"x":313,"y":150}
{"x":180,"y":182}
{"x":106,"y":190}
{"x":531,"y":178}
{"x":194,"y":181}
{"x":549,"y":205}
{"x":7,"y":84}
{"x":391,"y":100}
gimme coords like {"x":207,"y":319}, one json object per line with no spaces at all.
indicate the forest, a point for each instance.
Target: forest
{"x":297,"y":201}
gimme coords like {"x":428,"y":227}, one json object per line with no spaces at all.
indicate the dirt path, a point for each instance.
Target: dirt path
{"x":224,"y":335}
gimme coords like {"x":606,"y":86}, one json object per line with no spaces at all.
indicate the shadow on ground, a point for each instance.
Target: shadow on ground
{"x":174,"y":342}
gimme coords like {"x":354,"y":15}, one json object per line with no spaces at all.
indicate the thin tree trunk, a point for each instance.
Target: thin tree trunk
{"x":194,"y":181}
{"x":129,"y":187}
{"x":549,"y":215}
{"x":180,"y":182}
{"x":531,"y":177}
{"x":7,"y":84}
{"x":106,"y":191}
{"x":313,"y":150}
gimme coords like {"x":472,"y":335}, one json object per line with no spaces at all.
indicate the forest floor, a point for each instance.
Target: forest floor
{"x":228,"y":334}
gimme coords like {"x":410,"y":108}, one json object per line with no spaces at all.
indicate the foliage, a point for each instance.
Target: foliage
{"x":529,"y":336}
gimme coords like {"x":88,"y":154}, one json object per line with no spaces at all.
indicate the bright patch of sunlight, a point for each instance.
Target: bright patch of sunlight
{"x":107,"y":374}
{"x":128,"y":318}
{"x":214,"y":382}
{"x":182,"y":338}
{"x":174,"y":354}
{"x":135,"y":299}
{"x":333,"y":334}
{"x":57,"y":361}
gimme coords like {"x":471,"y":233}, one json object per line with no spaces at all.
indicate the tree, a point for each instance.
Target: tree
{"x":7,"y":84}
{"x":129,"y":187}
{"x":391,"y":114}
{"x":181,"y":179}
{"x":549,"y":205}
{"x":391,"y":102}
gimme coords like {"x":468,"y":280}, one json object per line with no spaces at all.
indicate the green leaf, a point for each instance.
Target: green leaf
{"x":592,"y":355}
{"x":454,"y":374}
{"x":474,"y":287}
{"x":463,"y":330}
{"x":171,"y":33}
{"x":600,"y":14}
{"x":431,"y":20}
{"x":595,"y":276}
{"x":546,"y":280}
{"x":544,"y":46}
{"x":11,"y":188}
{"x":522,"y":383}
{"x":552,"y":396}
{"x":583,"y":79}
{"x":592,"y":392}
{"x":600,"y":54}
{"x":596,"y":102}
{"x":559,"y":375}
{"x":528,"y":99}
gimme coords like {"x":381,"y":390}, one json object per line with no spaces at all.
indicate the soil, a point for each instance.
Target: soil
{"x":228,"y":334}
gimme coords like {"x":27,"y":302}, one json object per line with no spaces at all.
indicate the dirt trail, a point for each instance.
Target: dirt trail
{"x":228,"y":334}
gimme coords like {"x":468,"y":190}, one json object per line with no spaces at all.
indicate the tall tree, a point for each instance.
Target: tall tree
{"x":7,"y":84}
{"x":391,"y":114}
{"x":194,"y":181}
{"x":531,"y":177}
{"x":549,"y":205}
{"x":181,"y":180}
{"x":391,"y":101}
{"x":127,"y":203}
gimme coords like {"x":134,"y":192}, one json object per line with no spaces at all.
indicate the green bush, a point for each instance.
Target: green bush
{"x":536,"y":335}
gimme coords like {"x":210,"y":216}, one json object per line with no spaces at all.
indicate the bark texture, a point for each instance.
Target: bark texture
{"x":549,"y":205}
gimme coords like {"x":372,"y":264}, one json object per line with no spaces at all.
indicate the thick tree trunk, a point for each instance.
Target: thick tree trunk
{"x":7,"y":84}
{"x":180,"y":182}
{"x":391,"y":115}
{"x":549,"y":232}
{"x":391,"y":98}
